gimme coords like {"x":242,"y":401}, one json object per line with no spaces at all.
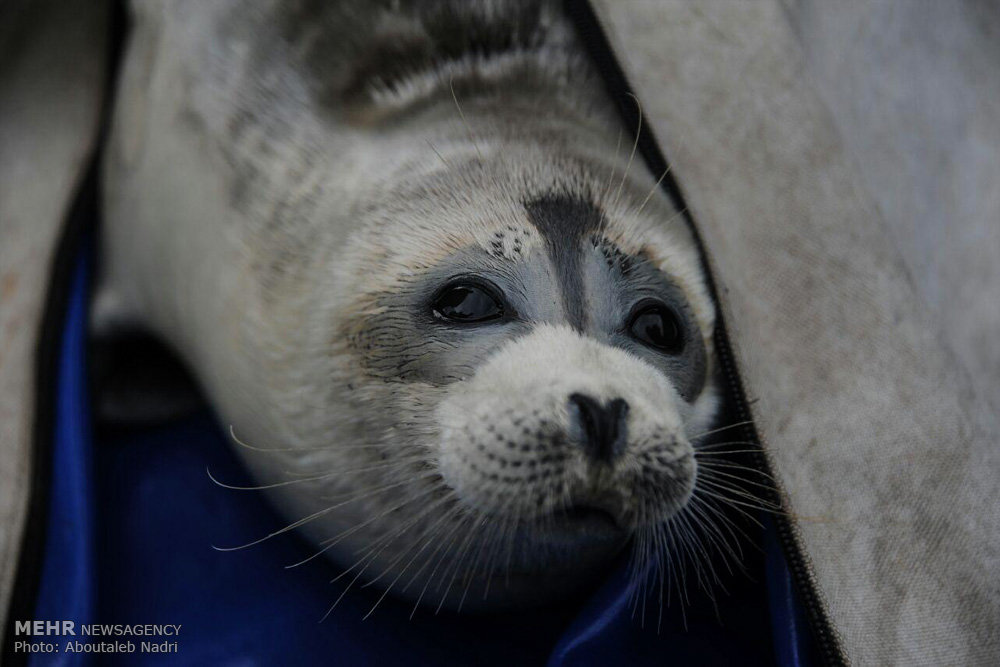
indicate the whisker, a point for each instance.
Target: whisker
{"x":446,"y":516}
{"x":468,"y":128}
{"x":398,"y":462}
{"x":736,"y":505}
{"x":455,"y":510}
{"x":434,"y":148}
{"x":315,"y":478}
{"x":631,"y":157}
{"x":458,"y":561}
{"x":329,"y":544}
{"x":711,"y":473}
{"x":430,"y":577}
{"x":706,"y":504}
{"x":614,"y":166}
{"x":370,"y":559}
{"x":713,"y":463}
{"x":722,"y":542}
{"x":653,"y":189}
{"x":720,"y":429}
{"x":291,"y":526}
{"x":712,"y":478}
{"x":701,"y":454}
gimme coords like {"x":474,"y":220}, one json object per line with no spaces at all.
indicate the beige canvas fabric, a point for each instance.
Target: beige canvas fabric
{"x":914,"y":91}
{"x":871,"y":421}
{"x":51,"y":72}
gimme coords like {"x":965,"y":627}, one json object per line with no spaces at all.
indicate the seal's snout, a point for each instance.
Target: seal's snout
{"x":601,"y":429}
{"x":555,"y":420}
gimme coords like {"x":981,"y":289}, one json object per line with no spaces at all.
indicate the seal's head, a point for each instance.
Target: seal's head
{"x":407,"y":254}
{"x":516,"y":359}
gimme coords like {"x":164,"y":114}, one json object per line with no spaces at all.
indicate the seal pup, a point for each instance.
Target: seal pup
{"x":464,"y":341}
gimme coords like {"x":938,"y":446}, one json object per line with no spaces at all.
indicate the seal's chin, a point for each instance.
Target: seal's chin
{"x":565,"y":533}
{"x":567,"y":558}
{"x":582,"y":523}
{"x":561,"y":552}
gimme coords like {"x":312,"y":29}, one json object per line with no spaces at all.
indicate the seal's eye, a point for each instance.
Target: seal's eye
{"x":466,"y":303}
{"x":658,"y":326}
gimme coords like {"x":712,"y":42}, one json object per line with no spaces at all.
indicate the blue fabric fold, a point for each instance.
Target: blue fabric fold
{"x":67,"y":585}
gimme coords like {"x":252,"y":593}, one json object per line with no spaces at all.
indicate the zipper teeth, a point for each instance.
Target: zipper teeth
{"x":802,"y":574}
{"x":590,"y":31}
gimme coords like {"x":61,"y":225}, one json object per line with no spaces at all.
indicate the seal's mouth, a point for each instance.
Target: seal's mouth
{"x":563,"y":539}
{"x":586,"y":521}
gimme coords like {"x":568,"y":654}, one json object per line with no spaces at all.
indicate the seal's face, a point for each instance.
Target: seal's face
{"x":540,"y":357}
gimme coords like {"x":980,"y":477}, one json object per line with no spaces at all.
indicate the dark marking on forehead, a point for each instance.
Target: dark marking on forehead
{"x":563,"y":221}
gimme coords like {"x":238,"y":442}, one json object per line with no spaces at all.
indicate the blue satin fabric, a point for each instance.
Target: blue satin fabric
{"x":67,"y":586}
{"x":133,"y":517}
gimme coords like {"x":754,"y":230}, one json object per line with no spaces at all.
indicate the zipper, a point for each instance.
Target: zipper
{"x":589,"y":29}
{"x":825,"y":636}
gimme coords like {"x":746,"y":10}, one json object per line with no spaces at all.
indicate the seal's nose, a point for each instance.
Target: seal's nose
{"x":601,"y":430}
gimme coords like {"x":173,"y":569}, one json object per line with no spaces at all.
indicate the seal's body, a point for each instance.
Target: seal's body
{"x":400,"y":248}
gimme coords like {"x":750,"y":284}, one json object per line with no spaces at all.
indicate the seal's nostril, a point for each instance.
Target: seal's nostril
{"x":601,"y":429}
